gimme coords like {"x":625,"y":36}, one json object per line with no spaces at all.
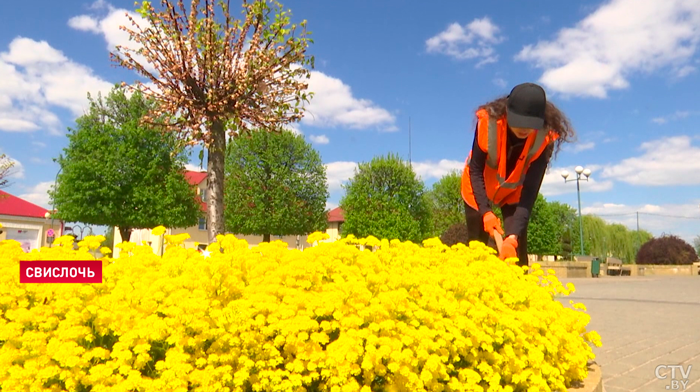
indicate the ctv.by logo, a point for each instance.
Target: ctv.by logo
{"x":675,"y":382}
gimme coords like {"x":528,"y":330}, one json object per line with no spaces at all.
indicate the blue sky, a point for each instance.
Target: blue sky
{"x":624,"y":71}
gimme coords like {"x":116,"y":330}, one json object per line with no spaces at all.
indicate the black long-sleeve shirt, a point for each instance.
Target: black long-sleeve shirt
{"x":531,"y":184}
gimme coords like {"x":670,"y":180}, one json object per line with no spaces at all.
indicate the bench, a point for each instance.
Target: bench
{"x":615,"y":267}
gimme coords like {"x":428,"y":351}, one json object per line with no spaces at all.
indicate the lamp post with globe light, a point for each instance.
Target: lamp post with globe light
{"x":579,"y":172}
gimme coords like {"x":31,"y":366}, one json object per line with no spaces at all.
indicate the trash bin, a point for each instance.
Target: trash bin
{"x":595,"y":267}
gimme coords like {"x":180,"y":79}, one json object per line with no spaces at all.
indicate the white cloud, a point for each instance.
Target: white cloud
{"x":320,"y":139}
{"x":331,"y":205}
{"x":664,"y":162}
{"x":294,"y":128}
{"x":472,"y":41}
{"x":682,"y":220}
{"x":109,"y":26}
{"x":37,"y":77}
{"x":196,"y":168}
{"x":620,"y":38}
{"x":84,"y":23}
{"x":333,"y":105}
{"x":500,"y":82}
{"x":553,"y":183}
{"x":39,"y":195}
{"x":578,"y":147}
{"x":677,"y":115}
{"x":685,"y":71}
{"x":435,"y":170}
{"x":337,"y":173}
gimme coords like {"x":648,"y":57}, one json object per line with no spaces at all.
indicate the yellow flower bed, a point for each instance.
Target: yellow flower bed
{"x":329,"y":318}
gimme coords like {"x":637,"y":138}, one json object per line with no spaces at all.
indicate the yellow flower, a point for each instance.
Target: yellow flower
{"x":415,"y":316}
{"x":317,"y":236}
{"x":158,"y":231}
{"x":105,"y":250}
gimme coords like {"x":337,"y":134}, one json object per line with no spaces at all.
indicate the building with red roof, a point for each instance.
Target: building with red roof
{"x":199,"y":236}
{"x":336,"y":218}
{"x":26,"y":222}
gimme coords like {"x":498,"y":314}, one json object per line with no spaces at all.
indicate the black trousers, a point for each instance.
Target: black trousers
{"x":475,"y":230}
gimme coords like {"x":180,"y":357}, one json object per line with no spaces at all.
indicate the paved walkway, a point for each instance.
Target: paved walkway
{"x":644,"y":322}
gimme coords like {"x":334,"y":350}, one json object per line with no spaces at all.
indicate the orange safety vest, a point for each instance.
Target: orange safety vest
{"x":492,"y":139}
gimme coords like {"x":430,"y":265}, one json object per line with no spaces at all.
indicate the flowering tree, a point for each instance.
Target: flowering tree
{"x":5,"y":165}
{"x":215,"y":75}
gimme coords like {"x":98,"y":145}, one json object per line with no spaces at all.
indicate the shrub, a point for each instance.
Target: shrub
{"x":328,"y":318}
{"x":666,"y":250}
{"x":455,"y":234}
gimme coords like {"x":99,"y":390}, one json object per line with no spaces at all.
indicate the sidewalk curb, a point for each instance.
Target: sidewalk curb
{"x":592,"y":383}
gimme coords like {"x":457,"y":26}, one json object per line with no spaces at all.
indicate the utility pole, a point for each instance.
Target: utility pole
{"x":638,"y":241}
{"x":409,"y":142}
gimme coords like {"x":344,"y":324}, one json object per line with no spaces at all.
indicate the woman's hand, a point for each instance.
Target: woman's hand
{"x":509,"y":248}
{"x":491,"y":223}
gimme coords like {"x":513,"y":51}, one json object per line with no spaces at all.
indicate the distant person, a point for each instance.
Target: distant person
{"x":514,"y":140}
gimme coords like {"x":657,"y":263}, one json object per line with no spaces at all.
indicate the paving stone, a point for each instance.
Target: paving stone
{"x":658,"y":353}
{"x":627,"y":383}
{"x":643,"y":322}
{"x":612,"y":389}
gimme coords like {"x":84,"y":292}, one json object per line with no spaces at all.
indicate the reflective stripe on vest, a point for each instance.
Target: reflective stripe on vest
{"x":492,"y":159}
{"x":492,"y":149}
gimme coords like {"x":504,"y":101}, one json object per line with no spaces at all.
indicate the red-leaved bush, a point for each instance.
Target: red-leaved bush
{"x":666,"y":250}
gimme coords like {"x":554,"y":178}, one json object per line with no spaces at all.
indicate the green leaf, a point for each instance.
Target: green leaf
{"x":116,"y":172}
{"x":385,"y":199}
{"x":275,"y":183}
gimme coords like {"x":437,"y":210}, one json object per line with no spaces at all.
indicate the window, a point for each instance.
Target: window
{"x":340,"y":228}
{"x":202,"y":223}
{"x":203,"y":194}
{"x":202,"y":247}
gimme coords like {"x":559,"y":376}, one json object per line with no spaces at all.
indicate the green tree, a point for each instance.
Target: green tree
{"x":566,"y":219}
{"x":385,"y":199}
{"x":275,"y":184}
{"x":602,"y":239}
{"x":217,"y":75}
{"x":696,"y":244}
{"x":117,"y":172}
{"x":543,"y":232}
{"x":446,"y":203}
{"x":594,"y":232}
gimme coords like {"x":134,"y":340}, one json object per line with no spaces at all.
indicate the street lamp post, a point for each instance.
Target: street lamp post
{"x":53,"y":202}
{"x":587,"y":173}
{"x":81,"y":228}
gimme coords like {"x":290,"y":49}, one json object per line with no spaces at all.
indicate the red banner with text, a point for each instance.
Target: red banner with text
{"x":60,"y":271}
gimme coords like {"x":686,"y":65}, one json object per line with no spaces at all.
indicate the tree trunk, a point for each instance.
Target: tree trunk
{"x":266,"y":238}
{"x":215,"y":181}
{"x":125,"y":232}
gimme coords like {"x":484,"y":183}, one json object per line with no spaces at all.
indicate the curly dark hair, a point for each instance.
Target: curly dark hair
{"x":554,"y":119}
